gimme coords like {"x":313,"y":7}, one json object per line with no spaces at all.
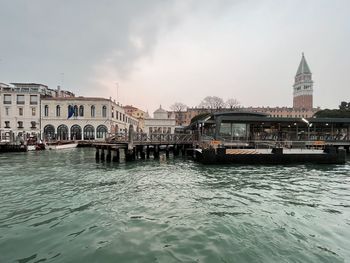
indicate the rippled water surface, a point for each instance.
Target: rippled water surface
{"x":62,"y":206}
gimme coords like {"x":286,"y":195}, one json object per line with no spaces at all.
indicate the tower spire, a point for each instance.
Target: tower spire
{"x":303,"y":86}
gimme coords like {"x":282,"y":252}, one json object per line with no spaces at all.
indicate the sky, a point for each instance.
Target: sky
{"x":158,"y":52}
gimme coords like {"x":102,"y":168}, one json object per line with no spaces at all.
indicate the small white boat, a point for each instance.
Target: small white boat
{"x":61,"y":145}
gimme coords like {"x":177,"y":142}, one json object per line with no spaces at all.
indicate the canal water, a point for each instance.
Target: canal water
{"x":62,"y":206}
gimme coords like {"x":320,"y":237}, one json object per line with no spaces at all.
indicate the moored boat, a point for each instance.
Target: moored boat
{"x":61,"y":145}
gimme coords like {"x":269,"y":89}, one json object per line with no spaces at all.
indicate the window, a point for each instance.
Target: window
{"x":46,"y":110}
{"x":101,"y":131}
{"x":33,"y":99}
{"x":20,"y":99}
{"x":75,"y":111}
{"x":116,"y":114}
{"x":7,"y":111}
{"x":20,"y":124}
{"x":58,"y":111}
{"x":112,"y":113}
{"x":81,"y":110}
{"x":7,"y":99}
{"x":89,"y":132}
{"x":33,"y":111}
{"x":20,"y":111}
{"x":92,"y":111}
{"x":75,"y":132}
{"x":104,"y":111}
{"x":33,"y":123}
{"x":7,"y":124}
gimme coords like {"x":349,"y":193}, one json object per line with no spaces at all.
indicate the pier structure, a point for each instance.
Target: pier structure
{"x":142,"y":146}
{"x":239,"y":129}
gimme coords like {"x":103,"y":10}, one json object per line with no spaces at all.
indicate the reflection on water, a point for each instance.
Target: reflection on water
{"x":62,"y":206}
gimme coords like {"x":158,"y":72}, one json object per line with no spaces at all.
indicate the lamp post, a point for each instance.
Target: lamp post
{"x":308,"y":127}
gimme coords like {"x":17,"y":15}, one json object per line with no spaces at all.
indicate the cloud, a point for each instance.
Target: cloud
{"x":162,"y":51}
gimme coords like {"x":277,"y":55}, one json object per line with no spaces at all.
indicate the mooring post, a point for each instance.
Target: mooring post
{"x":109,"y":155}
{"x":116,"y":156}
{"x":156,"y":151}
{"x":167,"y":152}
{"x":102,"y":154}
{"x":183,"y":151}
{"x":147,"y":152}
{"x":134,"y":153}
{"x":176,"y":150}
{"x":97,"y":154}
{"x":142,"y":152}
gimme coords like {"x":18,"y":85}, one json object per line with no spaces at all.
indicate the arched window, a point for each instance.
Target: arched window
{"x":62,"y":132}
{"x":81,"y":110}
{"x":75,"y":111}
{"x":101,"y":131}
{"x":89,"y":132}
{"x":58,"y":111}
{"x":46,"y":110}
{"x":93,"y":111}
{"x":75,"y":132}
{"x":49,"y":132}
{"x":104,"y":111}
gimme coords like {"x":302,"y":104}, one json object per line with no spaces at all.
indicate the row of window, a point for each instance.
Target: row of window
{"x":75,"y":132}
{"x":159,"y":130}
{"x":291,"y":116}
{"x":21,"y":99}
{"x":75,"y":111}
{"x":20,"y":125}
{"x":20,"y":111}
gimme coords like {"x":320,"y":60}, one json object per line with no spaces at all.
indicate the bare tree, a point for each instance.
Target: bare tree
{"x":178,"y":106}
{"x":178,"y":109}
{"x":232,"y":103}
{"x":212,"y":102}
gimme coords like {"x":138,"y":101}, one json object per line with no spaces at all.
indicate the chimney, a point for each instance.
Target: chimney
{"x":58,"y":91}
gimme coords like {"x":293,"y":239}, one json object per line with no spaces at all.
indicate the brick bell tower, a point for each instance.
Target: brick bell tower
{"x":303,"y":86}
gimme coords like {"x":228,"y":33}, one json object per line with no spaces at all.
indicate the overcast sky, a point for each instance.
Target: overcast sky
{"x":163,"y":51}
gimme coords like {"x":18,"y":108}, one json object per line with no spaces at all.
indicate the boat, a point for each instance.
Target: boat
{"x":33,"y":144}
{"x":61,"y":145}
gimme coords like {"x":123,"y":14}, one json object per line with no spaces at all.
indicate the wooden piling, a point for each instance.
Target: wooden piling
{"x":102,"y":156}
{"x":147,"y":152}
{"x":109,"y":155}
{"x":97,"y":154}
{"x":116,"y":156}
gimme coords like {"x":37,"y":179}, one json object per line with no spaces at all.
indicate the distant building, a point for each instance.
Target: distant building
{"x":20,"y":108}
{"x":137,"y":113}
{"x":160,"y":123}
{"x":303,"y":87}
{"x":83,"y":118}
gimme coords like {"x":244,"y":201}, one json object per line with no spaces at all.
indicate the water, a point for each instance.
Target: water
{"x":61,"y":206}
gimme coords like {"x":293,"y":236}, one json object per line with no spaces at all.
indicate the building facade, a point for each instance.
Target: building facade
{"x":83,"y":118}
{"x":20,"y":109}
{"x":138,"y":114}
{"x":303,"y":87}
{"x":160,"y":123}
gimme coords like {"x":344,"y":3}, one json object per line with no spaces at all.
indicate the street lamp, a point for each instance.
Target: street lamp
{"x":308,"y":127}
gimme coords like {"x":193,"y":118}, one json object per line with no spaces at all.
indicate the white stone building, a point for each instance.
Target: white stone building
{"x":160,"y":123}
{"x":83,"y":118}
{"x":20,"y":109}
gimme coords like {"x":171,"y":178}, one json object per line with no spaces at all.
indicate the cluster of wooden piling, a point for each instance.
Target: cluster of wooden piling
{"x":112,"y":152}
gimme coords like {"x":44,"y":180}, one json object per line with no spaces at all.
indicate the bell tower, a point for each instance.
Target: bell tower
{"x":303,"y":86}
